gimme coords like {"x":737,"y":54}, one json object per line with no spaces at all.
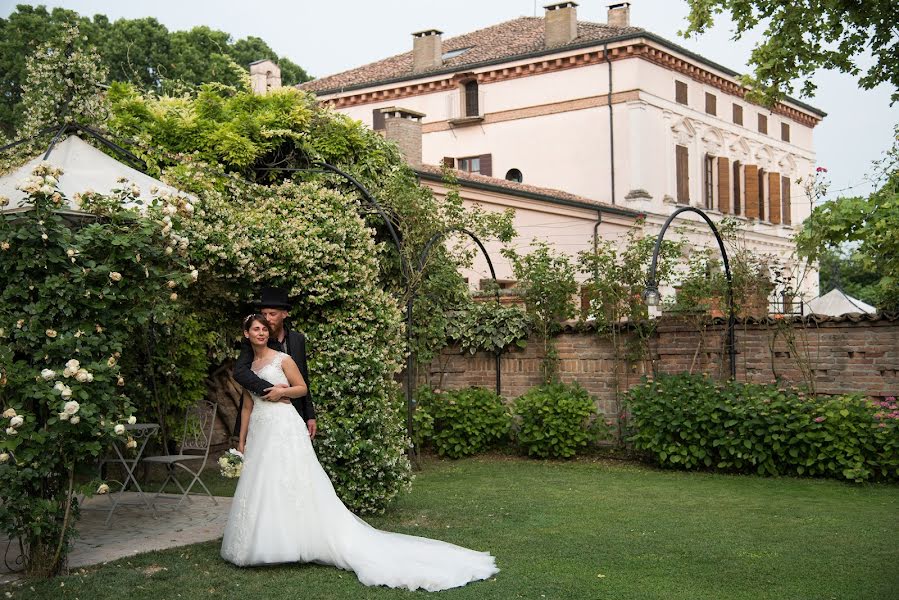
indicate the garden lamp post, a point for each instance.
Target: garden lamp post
{"x":651,"y":293}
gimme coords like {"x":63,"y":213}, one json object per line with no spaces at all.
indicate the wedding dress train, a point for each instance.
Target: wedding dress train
{"x":285,"y":510}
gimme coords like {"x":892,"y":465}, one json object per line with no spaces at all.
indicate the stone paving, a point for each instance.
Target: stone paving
{"x":133,"y":529}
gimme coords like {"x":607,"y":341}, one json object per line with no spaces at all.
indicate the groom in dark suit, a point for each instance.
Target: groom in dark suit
{"x":274,"y":306}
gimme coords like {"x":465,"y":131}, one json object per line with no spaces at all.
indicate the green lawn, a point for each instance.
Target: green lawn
{"x":585,"y":529}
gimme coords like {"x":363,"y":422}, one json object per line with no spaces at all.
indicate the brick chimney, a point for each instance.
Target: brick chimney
{"x":265,"y":75}
{"x":560,"y":23}
{"x":619,"y":14}
{"x":427,"y":50}
{"x":403,"y":126}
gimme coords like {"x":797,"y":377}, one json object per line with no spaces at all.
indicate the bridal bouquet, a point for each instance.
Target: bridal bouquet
{"x":231,"y":464}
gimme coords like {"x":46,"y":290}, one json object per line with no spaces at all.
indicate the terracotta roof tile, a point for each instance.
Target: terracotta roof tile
{"x":520,"y":36}
{"x":513,"y":187}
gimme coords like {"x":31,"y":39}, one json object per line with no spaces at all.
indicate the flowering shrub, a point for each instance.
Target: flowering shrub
{"x":690,"y":422}
{"x":71,"y":296}
{"x":556,"y":420}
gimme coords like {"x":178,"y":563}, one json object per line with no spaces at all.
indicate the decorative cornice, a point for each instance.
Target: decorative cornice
{"x":642,"y":50}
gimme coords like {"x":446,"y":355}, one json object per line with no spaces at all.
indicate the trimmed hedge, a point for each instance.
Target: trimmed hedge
{"x":691,"y":422}
{"x":461,"y":422}
{"x":556,"y":421}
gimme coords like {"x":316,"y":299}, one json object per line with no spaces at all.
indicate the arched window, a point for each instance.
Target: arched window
{"x":514,"y":175}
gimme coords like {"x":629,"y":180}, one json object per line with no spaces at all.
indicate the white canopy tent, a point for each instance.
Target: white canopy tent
{"x":836,"y":302}
{"x":84,"y":168}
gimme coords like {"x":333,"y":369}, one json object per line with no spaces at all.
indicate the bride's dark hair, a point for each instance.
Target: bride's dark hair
{"x":256,"y":318}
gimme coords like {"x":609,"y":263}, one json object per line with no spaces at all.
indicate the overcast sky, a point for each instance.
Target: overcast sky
{"x":326,"y":37}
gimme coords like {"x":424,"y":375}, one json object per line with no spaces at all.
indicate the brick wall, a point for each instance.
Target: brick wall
{"x":841,"y":354}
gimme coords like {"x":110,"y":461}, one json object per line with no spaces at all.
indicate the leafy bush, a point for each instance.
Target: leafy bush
{"x":489,"y":327}
{"x":556,"y":420}
{"x":462,"y":422}
{"x":689,"y":421}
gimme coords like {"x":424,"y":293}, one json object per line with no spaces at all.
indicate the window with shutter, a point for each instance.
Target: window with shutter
{"x":737,"y":188}
{"x":785,"y":132}
{"x":762,"y":196}
{"x":738,"y":114}
{"x":751,"y":196}
{"x":449,"y":162}
{"x":377,"y":119}
{"x":711,"y":104}
{"x":682,"y":165}
{"x":723,"y":184}
{"x":680,"y":92}
{"x":708,"y":183}
{"x":470,"y":164}
{"x":763,"y":124}
{"x":471,"y":99}
{"x":774,"y":197}
{"x":486,"y":165}
{"x":786,"y":216}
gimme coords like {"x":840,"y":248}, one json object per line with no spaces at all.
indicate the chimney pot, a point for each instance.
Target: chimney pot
{"x":427,"y":50}
{"x":619,"y":14}
{"x":403,"y":126}
{"x":560,"y":23}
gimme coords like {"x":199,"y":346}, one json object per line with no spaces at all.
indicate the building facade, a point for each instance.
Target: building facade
{"x":608,"y":113}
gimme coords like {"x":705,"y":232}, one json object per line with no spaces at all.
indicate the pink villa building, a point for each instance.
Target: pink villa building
{"x":580,"y":125}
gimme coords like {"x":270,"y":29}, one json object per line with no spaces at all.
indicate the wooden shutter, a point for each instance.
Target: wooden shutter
{"x":785,"y":132}
{"x":774,"y":197}
{"x":738,"y":114}
{"x":682,"y":160}
{"x":786,"y":211}
{"x":708,"y":181}
{"x":486,"y":165}
{"x":738,"y":188}
{"x":761,"y":201}
{"x":711,"y":104}
{"x":763,"y":124}
{"x":751,"y":197}
{"x":471,"y":99}
{"x":723,"y":184}
{"x":377,"y":119}
{"x":680,"y":92}
{"x":449,"y":162}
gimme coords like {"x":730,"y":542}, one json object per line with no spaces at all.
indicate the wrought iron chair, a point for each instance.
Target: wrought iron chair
{"x":194,"y":449}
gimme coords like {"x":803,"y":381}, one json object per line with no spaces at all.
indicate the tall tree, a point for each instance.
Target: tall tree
{"x":803,"y":36}
{"x":139,"y":51}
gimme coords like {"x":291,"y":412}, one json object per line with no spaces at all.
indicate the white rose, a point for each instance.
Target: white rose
{"x":48,"y":374}
{"x":132,"y":443}
{"x":173,"y":297}
{"x":50,"y":180}
{"x":75,"y":420}
{"x":170,"y":209}
{"x":73,"y":364}
{"x":4,"y":245}
{"x":82,"y":375}
{"x":189,"y":208}
{"x":103,"y":489}
{"x":194,"y":275}
{"x":16,"y":421}
{"x":115,"y":276}
{"x":51,"y":333}
{"x":60,"y":386}
{"x":71,"y":252}
{"x":119,"y":429}
{"x":66,"y":393}
{"x":4,"y":457}
{"x":169,"y":249}
{"x":9,"y":413}
{"x":71,"y":407}
{"x":11,"y":431}
{"x":132,"y":420}
{"x":90,"y":377}
{"x":172,"y":284}
{"x":44,"y":236}
{"x":121,"y":381}
{"x":111,"y":362}
{"x":63,"y":416}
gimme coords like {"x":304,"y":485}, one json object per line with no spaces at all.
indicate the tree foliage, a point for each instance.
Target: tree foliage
{"x":869,"y":225}
{"x":140,"y":51}
{"x":805,"y":36}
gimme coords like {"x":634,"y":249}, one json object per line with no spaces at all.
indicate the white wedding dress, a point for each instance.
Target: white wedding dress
{"x":285,"y":510}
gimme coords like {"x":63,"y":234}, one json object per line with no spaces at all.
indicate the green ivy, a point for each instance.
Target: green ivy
{"x":557,"y":420}
{"x":489,"y":327}
{"x":460,"y":423}
{"x":692,"y":422}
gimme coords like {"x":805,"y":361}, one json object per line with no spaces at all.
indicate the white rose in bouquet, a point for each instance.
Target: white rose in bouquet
{"x":17,"y":421}
{"x":119,"y":429}
{"x":48,"y":374}
{"x":231,"y":464}
{"x":71,"y":407}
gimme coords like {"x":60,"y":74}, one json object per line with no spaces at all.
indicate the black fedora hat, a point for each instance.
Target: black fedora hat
{"x":272,"y":297}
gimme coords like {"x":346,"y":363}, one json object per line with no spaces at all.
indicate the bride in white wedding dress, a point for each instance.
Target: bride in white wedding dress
{"x":285,"y":508}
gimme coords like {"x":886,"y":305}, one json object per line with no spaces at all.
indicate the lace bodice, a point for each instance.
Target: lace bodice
{"x":272,"y":372}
